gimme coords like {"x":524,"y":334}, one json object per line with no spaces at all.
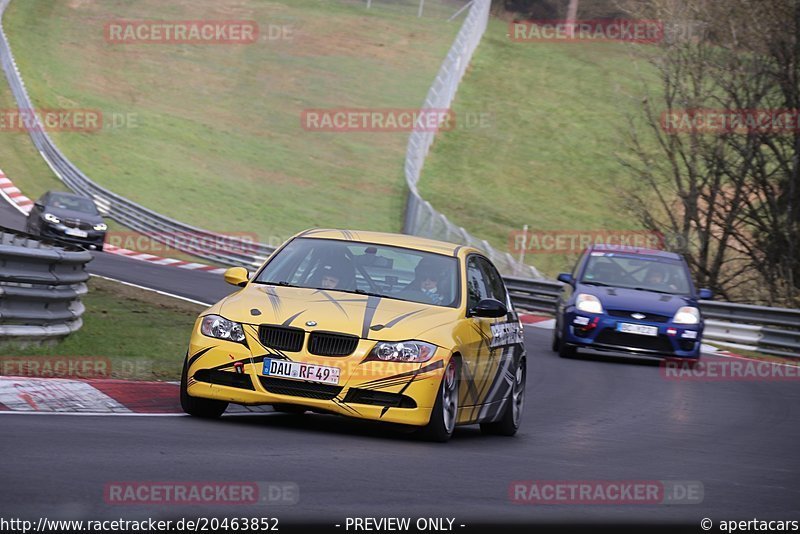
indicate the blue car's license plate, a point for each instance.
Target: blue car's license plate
{"x":640,"y":329}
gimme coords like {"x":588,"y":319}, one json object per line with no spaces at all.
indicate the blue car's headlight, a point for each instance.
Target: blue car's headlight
{"x":49,"y":217}
{"x":588,"y":303}
{"x":687,"y":315}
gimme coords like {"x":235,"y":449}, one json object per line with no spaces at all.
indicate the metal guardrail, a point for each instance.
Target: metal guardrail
{"x":420,"y":217}
{"x":41,"y":284}
{"x":156,"y":226}
{"x":769,"y":330}
{"x":760,"y":328}
{"x":539,"y":295}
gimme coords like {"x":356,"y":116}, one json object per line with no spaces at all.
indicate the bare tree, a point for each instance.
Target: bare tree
{"x":729,"y":198}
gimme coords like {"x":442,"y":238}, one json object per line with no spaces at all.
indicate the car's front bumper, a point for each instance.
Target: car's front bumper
{"x":382,"y":391}
{"x":93,"y":238}
{"x":600,"y":332}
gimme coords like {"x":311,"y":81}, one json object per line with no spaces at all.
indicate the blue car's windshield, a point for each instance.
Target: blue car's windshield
{"x":636,"y":272}
{"x":381,"y":270}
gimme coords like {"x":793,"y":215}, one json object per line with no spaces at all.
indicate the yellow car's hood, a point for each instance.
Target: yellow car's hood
{"x":373,"y":318}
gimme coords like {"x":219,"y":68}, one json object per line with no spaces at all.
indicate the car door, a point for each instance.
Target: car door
{"x":505,"y":346}
{"x":479,"y":359}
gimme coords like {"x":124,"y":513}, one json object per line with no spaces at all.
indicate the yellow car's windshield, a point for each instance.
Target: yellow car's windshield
{"x":375,"y":269}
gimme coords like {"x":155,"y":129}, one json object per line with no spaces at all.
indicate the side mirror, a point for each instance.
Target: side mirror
{"x":489,"y":308}
{"x":566,"y":278}
{"x":38,"y":204}
{"x":705,"y":294}
{"x":237,"y":276}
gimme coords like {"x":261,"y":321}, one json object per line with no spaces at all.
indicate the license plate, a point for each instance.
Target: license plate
{"x":74,"y":232}
{"x":641,"y":329}
{"x":301,"y":371}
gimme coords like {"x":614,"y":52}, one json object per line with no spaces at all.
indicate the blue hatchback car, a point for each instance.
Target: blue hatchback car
{"x":632,"y":300}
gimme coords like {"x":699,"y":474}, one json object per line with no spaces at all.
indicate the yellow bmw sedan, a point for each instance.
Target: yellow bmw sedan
{"x":370,"y":325}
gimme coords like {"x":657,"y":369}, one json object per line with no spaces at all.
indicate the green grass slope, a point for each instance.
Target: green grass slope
{"x":216,"y":138}
{"x":555,"y":116}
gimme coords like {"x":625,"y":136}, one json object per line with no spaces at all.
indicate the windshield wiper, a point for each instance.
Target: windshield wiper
{"x":653,"y":290}
{"x":353,"y":291}
{"x":593,"y":283}
{"x":280,"y":283}
{"x":368,"y":293}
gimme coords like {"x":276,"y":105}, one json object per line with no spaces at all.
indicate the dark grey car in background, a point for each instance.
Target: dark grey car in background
{"x":67,"y":217}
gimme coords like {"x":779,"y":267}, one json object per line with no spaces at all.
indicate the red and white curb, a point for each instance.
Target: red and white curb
{"x":538,"y":321}
{"x":13,"y":195}
{"x":64,"y":396}
{"x":159,"y":260}
{"x":24,"y":204}
{"x":59,"y":395}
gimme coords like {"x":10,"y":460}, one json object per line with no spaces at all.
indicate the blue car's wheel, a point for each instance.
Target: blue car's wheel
{"x":567,"y":351}
{"x":564,"y":350}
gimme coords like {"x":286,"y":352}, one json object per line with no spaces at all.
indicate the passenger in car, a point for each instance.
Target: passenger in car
{"x":426,"y":282}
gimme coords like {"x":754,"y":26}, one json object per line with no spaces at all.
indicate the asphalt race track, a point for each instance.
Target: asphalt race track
{"x":585,"y":419}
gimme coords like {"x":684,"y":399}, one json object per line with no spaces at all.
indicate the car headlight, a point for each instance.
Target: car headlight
{"x":100,"y":227}
{"x":588,"y":303}
{"x":402,"y":351}
{"x":222,"y":328}
{"x":687,"y":315}
{"x":49,"y":217}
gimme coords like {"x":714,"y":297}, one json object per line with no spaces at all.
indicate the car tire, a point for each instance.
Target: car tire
{"x":445,"y":410}
{"x":198,"y":407}
{"x":565,"y":350}
{"x":289,"y":408}
{"x":512,"y":415}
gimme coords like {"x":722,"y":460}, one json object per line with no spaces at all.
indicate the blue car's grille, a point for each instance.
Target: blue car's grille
{"x":650,"y":317}
{"x":619,"y":339}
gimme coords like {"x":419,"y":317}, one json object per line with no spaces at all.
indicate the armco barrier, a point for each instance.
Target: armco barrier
{"x":538,"y":295}
{"x":769,"y":330}
{"x":127,"y":212}
{"x":40,"y":288}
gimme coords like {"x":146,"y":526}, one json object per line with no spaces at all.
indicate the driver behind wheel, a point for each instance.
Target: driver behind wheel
{"x":338,"y":275}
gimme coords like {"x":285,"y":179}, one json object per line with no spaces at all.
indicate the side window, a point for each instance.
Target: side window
{"x":494,"y":282}
{"x":579,"y":265}
{"x":476,"y":284}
